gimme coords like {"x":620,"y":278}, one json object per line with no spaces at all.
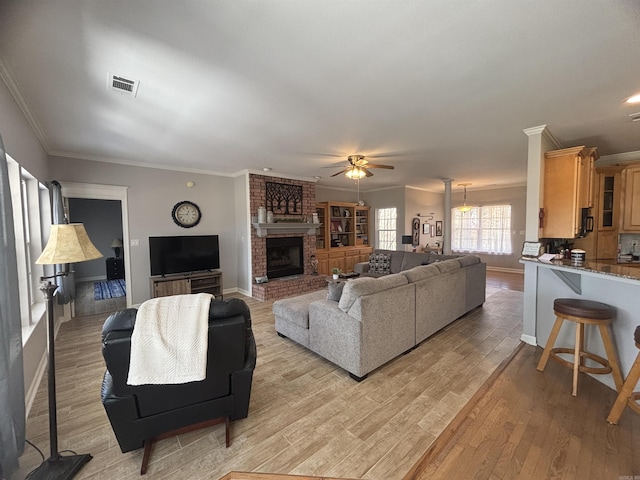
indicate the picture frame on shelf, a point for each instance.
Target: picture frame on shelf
{"x":335,"y":211}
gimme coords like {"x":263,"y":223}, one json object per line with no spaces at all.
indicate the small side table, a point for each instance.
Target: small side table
{"x":115,"y":268}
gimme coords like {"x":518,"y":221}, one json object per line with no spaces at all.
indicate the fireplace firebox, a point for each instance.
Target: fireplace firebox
{"x":284,"y":257}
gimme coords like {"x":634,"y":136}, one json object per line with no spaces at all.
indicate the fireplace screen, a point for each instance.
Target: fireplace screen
{"x":284,"y":257}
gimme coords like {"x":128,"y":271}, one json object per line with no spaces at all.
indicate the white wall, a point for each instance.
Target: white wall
{"x":151,"y":195}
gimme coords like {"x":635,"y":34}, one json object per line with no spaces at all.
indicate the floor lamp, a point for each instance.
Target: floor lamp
{"x":68,"y":243}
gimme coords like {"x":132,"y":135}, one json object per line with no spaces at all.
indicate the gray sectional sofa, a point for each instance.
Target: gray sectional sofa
{"x":377,"y":319}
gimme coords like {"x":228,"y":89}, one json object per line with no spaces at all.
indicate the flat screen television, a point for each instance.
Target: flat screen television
{"x":183,"y":254}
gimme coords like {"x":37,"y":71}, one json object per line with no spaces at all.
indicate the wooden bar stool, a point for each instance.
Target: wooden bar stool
{"x":626,"y":395}
{"x":583,"y":312}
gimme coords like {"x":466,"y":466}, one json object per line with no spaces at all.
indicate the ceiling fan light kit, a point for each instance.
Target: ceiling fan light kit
{"x":359,"y":167}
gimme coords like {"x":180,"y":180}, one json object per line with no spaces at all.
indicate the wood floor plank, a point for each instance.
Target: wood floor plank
{"x":308,"y":417}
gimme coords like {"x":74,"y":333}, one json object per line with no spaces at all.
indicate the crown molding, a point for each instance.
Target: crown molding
{"x":7,"y":78}
{"x":131,"y":163}
{"x":544,"y":131}
{"x":275,"y":174}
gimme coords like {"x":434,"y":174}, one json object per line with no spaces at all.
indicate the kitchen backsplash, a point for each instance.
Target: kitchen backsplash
{"x":627,"y":241}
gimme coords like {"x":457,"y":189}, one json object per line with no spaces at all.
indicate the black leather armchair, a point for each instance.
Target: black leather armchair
{"x":141,"y":414}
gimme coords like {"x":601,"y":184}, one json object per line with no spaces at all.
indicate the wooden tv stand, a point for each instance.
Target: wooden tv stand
{"x":202,"y":282}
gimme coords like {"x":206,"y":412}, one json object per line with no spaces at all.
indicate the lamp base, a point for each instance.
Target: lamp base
{"x":60,"y":467}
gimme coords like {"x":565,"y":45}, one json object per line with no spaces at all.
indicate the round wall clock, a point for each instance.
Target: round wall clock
{"x":186,"y":214}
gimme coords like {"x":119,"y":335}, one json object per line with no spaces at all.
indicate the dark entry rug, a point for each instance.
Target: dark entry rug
{"x":109,"y":289}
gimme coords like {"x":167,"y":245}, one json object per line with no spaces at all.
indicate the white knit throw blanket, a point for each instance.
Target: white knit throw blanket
{"x":170,"y":340}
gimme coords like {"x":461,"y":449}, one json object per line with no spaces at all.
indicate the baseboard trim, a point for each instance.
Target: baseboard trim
{"x":530,"y":339}
{"x":30,"y":395}
{"x":506,"y":270}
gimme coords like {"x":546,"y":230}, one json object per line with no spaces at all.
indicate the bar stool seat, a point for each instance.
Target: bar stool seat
{"x":627,"y":397}
{"x":583,"y":312}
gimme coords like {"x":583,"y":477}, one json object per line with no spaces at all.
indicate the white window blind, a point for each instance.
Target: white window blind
{"x":386,"y":223}
{"x":482,"y":230}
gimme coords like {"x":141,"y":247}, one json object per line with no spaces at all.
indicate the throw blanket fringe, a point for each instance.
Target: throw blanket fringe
{"x":170,"y":340}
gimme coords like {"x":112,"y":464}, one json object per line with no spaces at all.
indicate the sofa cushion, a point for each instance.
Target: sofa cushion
{"x":366,"y":286}
{"x":413,"y":259}
{"x":335,"y":291}
{"x":296,"y":309}
{"x":448,"y":265}
{"x":416,"y":274}
{"x":379,"y":263}
{"x":468,"y":260}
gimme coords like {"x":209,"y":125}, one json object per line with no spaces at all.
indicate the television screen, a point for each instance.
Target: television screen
{"x":183,"y":254}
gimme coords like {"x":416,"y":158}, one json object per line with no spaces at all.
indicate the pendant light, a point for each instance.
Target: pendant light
{"x":464,"y":207}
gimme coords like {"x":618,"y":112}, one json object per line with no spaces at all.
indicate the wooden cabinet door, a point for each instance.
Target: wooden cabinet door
{"x":336,"y":260}
{"x":607,"y":245}
{"x":560,"y":196}
{"x":631,"y":201}
{"x":172,"y":287}
{"x":350,"y":260}
{"x":323,"y":262}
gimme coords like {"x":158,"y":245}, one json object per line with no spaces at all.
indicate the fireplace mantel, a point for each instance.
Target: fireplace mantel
{"x":264,"y":229}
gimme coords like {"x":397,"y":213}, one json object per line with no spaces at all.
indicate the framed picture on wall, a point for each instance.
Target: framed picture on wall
{"x":426,"y":229}
{"x":438,"y":228}
{"x":433,"y":230}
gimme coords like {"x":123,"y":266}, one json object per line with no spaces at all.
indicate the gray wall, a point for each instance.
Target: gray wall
{"x":23,"y":145}
{"x":151,"y":195}
{"x":423,"y":202}
{"x":102,"y":220}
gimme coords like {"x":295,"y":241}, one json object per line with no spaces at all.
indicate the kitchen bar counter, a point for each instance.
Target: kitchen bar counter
{"x":620,"y":270}
{"x":614,"y":284}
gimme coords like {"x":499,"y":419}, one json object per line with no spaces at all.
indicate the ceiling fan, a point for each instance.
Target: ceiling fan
{"x":359,"y":167}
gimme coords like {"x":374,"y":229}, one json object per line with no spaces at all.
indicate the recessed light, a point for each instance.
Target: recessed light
{"x":634,"y":99}
{"x":266,"y":169}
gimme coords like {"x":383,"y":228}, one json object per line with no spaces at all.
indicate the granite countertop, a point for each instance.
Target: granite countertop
{"x":614,"y":269}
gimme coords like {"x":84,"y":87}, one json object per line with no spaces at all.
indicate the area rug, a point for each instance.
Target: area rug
{"x":109,"y":289}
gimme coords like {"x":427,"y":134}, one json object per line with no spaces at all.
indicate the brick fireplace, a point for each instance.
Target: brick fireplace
{"x":282,"y":287}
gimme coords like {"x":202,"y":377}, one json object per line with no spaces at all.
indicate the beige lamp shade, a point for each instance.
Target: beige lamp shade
{"x":68,"y":243}
{"x":116,"y":243}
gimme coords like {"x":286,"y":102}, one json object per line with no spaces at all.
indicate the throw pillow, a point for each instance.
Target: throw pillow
{"x":335,"y":291}
{"x":379,"y":263}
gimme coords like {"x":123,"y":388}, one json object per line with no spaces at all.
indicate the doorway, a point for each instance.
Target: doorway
{"x":106,"y":192}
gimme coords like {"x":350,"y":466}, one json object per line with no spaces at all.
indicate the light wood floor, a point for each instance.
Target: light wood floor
{"x":307,"y":417}
{"x":528,"y":426}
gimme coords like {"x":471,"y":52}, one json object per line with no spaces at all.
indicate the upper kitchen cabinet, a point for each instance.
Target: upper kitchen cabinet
{"x":568,"y":189}
{"x":631,"y":199}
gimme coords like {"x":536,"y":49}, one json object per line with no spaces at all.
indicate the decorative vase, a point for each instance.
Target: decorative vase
{"x":269,"y":216}
{"x":336,"y":276}
{"x":262,"y":214}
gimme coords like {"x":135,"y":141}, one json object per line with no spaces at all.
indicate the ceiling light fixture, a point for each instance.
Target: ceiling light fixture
{"x":634,"y":99}
{"x":355,"y":173}
{"x":464,"y":207}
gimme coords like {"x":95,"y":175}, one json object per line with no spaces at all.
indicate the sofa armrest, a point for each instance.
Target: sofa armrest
{"x":362,"y":267}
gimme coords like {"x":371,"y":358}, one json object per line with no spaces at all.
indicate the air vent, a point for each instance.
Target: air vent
{"x":123,"y":85}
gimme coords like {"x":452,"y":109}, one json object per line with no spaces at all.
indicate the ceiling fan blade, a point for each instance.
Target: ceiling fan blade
{"x":341,"y":171}
{"x":375,"y":165}
{"x":369,"y":174}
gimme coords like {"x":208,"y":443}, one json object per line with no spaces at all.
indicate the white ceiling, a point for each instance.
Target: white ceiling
{"x":444,"y":87}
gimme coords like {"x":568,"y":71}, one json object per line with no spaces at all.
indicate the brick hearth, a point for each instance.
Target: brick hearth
{"x":280,"y":288}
